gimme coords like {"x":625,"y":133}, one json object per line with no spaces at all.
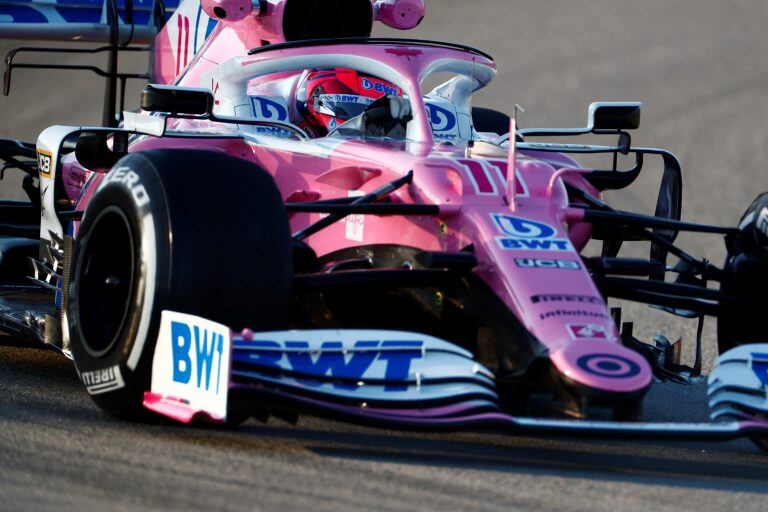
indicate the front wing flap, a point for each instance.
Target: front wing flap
{"x":738,"y":386}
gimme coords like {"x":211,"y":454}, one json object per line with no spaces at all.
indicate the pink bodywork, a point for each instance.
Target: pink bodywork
{"x":577,"y":328}
{"x":232,"y":10}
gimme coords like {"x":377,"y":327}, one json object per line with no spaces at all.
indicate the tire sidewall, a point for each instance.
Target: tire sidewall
{"x":133,"y":188}
{"x":217,"y":246}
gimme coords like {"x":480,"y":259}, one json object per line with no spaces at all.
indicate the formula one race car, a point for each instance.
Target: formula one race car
{"x":293,"y":223}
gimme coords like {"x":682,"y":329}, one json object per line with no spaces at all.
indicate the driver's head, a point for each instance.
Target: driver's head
{"x":327,"y":98}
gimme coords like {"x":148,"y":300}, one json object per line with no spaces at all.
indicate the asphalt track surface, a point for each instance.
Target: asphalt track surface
{"x":701,"y":69}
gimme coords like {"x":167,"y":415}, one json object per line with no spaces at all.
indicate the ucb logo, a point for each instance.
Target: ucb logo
{"x":331,"y":361}
{"x":522,"y":228}
{"x":268,"y":110}
{"x":442,"y":119}
{"x":536,"y":263}
{"x":197,"y":355}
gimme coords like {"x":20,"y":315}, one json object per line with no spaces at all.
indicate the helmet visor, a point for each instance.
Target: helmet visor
{"x":343,"y":106}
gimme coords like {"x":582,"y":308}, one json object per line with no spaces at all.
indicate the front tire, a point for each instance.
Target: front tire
{"x":185,"y":230}
{"x":747,"y":269}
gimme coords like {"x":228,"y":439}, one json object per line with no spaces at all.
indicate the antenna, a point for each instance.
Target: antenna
{"x":512,"y":158}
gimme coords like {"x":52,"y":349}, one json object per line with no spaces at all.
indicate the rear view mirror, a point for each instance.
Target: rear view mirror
{"x":604,"y":116}
{"x":614,"y":115}
{"x":177,"y":100}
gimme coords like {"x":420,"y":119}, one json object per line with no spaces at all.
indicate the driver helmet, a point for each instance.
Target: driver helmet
{"x":327,"y":98}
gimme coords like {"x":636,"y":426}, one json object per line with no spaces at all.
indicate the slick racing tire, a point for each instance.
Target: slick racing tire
{"x":190,"y":231}
{"x":746,"y":269}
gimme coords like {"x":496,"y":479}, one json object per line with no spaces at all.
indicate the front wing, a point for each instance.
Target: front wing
{"x":398,"y":380}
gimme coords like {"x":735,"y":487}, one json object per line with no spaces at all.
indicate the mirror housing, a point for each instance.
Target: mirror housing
{"x":400,"y":14}
{"x":624,"y":115}
{"x":230,"y":10}
{"x":100,"y":150}
{"x":604,"y":116}
{"x":177,"y":100}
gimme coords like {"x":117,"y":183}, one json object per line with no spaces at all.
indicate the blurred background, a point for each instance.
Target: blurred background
{"x":699,"y":67}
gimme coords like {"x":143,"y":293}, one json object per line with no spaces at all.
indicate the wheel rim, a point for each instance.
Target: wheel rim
{"x":105,"y":281}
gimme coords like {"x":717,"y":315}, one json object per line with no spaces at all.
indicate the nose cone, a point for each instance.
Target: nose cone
{"x":603,"y":366}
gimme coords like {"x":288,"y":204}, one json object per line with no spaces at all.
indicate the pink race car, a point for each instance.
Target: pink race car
{"x":302,"y":218}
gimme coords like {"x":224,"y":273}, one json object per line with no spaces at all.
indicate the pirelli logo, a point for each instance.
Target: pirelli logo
{"x":44,"y":163}
{"x":102,"y":381}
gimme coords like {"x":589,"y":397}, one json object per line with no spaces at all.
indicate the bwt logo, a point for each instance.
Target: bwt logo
{"x":760,"y":366}
{"x":370,"y":85}
{"x":442,"y":119}
{"x":274,"y":131}
{"x":268,"y":110}
{"x":522,"y":228}
{"x":331,"y":361}
{"x":208,"y":349}
{"x":527,"y":234}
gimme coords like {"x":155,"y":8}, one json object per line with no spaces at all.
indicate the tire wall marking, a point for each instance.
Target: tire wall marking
{"x":149,"y":253}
